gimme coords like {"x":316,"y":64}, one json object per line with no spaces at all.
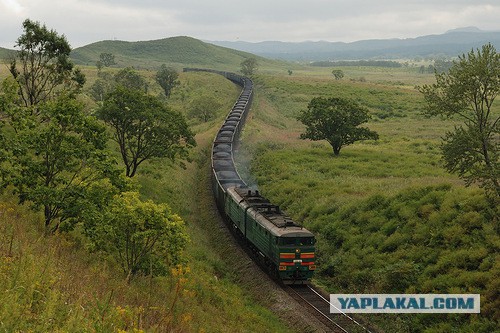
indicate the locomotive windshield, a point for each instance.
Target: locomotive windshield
{"x":296,"y":241}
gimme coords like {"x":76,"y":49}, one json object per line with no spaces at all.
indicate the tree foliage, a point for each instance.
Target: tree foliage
{"x":129,"y":78}
{"x":107,"y":59}
{"x":99,"y":89}
{"x":144,"y":236}
{"x":52,"y":150}
{"x":249,"y":66}
{"x":54,"y":160}
{"x":467,"y":91}
{"x":337,"y":121}
{"x":167,"y":78}
{"x":145,"y":128}
{"x":42,"y":66}
{"x":338,"y":74}
{"x":203,"y":108}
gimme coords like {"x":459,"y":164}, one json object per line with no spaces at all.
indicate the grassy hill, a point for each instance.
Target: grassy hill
{"x":175,"y":51}
{"x":5,"y":54}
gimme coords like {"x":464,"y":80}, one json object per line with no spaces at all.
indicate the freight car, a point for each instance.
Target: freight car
{"x":285,"y":247}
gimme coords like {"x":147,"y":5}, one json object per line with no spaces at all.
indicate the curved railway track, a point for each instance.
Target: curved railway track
{"x":225,"y":176}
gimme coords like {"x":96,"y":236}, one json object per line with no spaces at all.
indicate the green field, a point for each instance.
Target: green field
{"x":388,"y":217}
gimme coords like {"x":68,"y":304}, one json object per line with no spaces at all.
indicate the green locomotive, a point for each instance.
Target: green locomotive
{"x":286,"y":248}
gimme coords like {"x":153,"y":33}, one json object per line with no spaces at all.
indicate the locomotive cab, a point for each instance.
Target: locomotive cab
{"x":296,"y":256}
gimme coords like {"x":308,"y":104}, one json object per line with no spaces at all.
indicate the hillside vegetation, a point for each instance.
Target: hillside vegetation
{"x":388,"y":217}
{"x":54,"y":283}
{"x":5,"y":54}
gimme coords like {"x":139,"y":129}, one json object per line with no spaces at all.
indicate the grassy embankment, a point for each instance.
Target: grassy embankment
{"x":50,"y":284}
{"x":388,"y":217}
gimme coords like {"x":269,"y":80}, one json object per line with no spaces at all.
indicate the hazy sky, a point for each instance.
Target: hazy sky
{"x":87,"y":21}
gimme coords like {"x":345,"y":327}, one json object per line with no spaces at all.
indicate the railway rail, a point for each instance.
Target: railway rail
{"x":319,"y":304}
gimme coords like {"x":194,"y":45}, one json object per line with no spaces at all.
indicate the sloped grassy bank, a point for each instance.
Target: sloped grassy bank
{"x":388,"y":218}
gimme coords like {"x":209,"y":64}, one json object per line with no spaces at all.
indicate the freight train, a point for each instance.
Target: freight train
{"x":286,"y":248}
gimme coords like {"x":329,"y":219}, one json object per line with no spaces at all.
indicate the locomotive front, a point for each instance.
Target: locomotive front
{"x":296,"y":255}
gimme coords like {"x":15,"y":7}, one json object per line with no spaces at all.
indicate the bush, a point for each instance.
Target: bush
{"x":142,"y":236}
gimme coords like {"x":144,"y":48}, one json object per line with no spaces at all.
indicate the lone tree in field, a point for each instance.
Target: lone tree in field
{"x":107,"y":59}
{"x":338,"y":74}
{"x":336,"y":120}
{"x":145,"y":128}
{"x":167,"y":78}
{"x":467,"y":91}
{"x":42,"y":66}
{"x":249,"y":66}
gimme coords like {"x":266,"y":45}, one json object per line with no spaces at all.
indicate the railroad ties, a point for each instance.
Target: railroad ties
{"x":319,"y":304}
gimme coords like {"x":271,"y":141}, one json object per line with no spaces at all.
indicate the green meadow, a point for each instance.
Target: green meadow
{"x":387,"y":215}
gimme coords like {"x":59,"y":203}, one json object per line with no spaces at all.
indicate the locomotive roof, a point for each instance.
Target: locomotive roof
{"x":267,"y":214}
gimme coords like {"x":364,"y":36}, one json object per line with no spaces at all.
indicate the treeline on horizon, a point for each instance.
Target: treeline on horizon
{"x":345,"y":63}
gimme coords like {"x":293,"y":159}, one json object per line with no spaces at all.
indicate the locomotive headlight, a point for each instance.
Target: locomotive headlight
{"x":297,"y":251}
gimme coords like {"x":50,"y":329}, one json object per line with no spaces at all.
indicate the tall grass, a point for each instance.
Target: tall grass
{"x":388,"y":218}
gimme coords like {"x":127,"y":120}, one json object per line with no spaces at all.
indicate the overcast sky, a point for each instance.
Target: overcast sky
{"x":87,"y":21}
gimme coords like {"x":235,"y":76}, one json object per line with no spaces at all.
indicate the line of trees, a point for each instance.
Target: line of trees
{"x":350,"y":63}
{"x":54,"y":154}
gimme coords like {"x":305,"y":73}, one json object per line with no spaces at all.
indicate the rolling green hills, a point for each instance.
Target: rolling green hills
{"x":175,"y":51}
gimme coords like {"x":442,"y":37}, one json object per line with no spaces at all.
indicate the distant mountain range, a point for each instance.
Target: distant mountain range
{"x":187,"y":51}
{"x":449,"y":44}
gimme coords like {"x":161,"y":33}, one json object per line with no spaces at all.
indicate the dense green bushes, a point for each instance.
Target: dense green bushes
{"x":424,"y":240}
{"x":433,"y":239}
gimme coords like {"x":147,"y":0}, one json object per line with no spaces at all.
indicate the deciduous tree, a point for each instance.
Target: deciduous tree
{"x":107,"y":59}
{"x":249,"y":66}
{"x":467,"y":91}
{"x":338,"y":74}
{"x":55,"y":160}
{"x":130,"y":79}
{"x":42,"y":66}
{"x":337,"y":121}
{"x":203,"y":108}
{"x":145,"y":128}
{"x":143,"y":236}
{"x":167,"y":78}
